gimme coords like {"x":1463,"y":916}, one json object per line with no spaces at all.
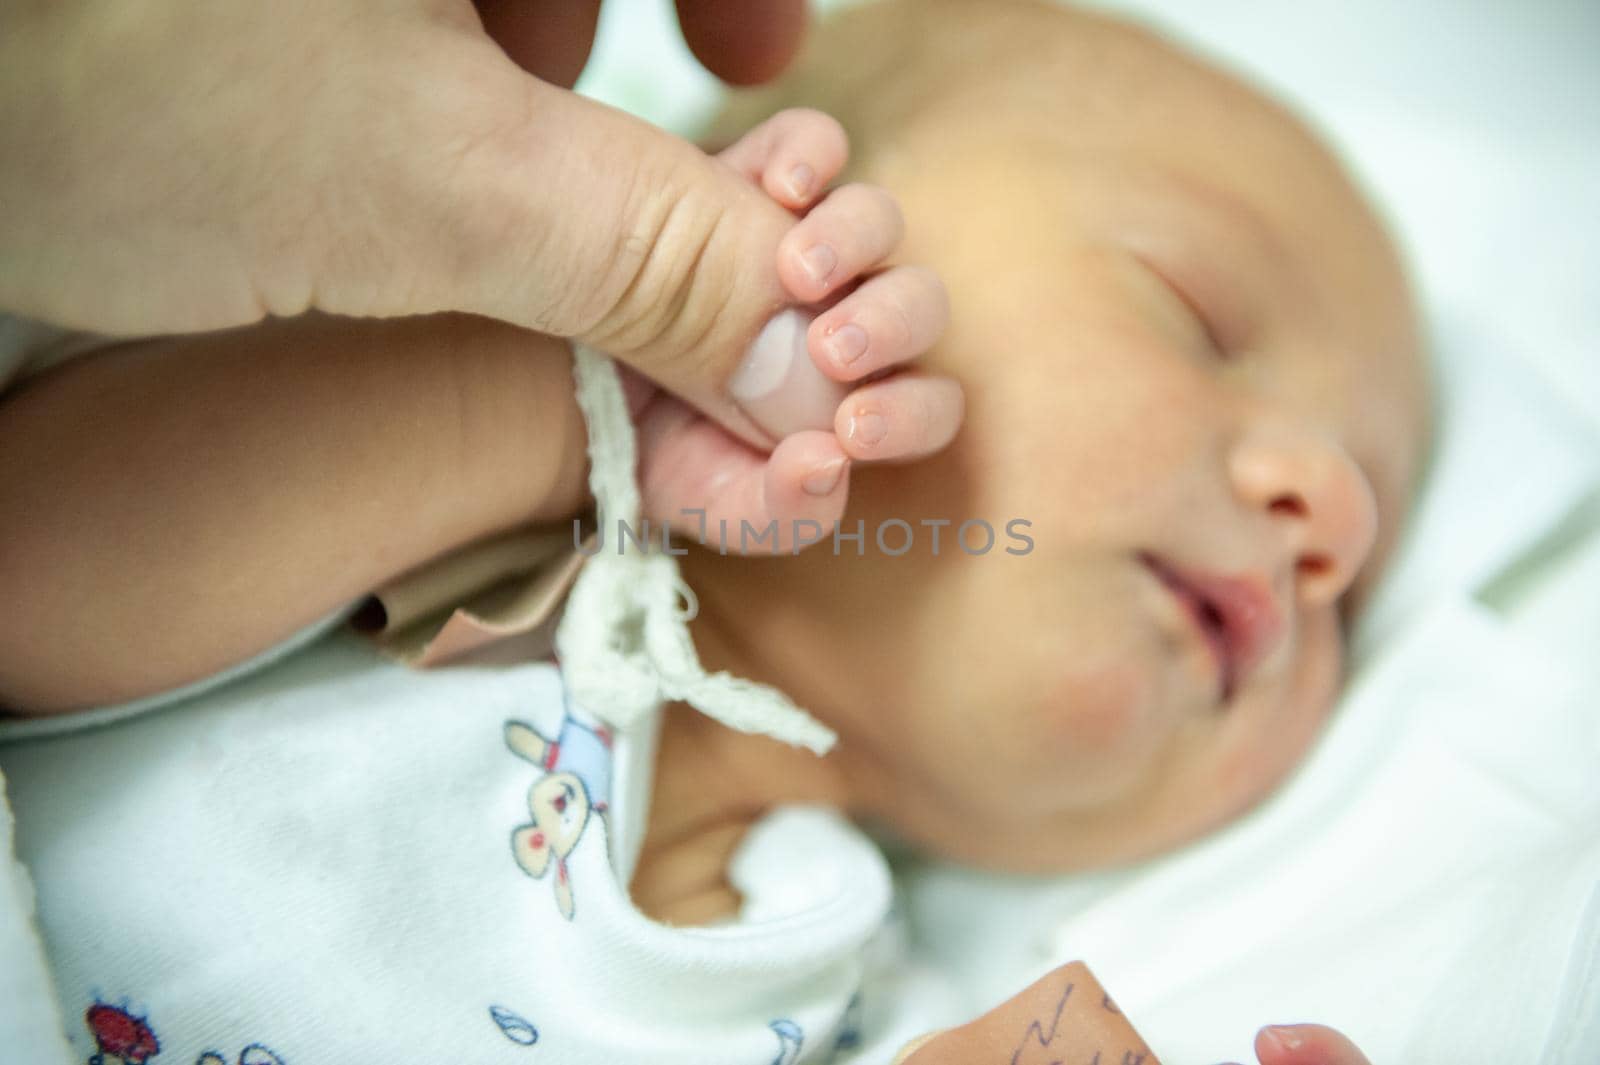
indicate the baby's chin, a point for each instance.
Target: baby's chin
{"x":979,"y":838}
{"x":1183,"y":802}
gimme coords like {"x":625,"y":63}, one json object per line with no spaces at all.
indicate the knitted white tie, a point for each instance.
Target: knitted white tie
{"x":623,"y":643}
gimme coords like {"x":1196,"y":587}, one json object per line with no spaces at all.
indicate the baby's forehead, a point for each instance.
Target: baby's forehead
{"x":1038,"y":101}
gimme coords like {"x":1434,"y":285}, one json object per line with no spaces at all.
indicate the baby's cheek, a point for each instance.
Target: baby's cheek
{"x":1093,"y":737}
{"x":1104,"y":710}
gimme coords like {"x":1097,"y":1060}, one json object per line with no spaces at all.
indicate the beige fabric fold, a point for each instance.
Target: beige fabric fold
{"x":505,"y":588}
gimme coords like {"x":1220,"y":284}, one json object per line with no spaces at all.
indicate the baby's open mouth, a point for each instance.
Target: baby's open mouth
{"x":1236,"y":616}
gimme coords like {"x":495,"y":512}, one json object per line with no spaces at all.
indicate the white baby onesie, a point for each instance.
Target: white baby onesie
{"x":337,"y":859}
{"x":341,"y":860}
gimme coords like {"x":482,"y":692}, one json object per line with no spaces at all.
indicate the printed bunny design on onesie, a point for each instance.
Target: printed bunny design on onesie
{"x":576,"y":785}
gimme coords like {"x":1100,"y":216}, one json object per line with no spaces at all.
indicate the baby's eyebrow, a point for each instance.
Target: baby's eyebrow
{"x":1229,"y":212}
{"x":1228,"y":244}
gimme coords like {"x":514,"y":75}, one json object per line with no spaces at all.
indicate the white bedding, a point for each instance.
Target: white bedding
{"x":1429,"y":880}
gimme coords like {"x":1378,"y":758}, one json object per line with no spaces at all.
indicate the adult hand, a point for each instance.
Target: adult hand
{"x":199,"y":164}
{"x":743,"y":44}
{"x":1306,"y":1044}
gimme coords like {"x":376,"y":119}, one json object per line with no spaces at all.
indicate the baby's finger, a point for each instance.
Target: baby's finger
{"x":851,"y":231}
{"x":908,"y":416}
{"x":780,"y":506}
{"x":890,"y":319}
{"x":806,"y":485}
{"x":712,"y":488}
{"x":793,"y":155}
{"x":1306,"y":1044}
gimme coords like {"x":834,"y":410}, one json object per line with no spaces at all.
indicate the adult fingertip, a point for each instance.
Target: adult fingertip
{"x":1279,"y":1038}
{"x":1307,"y":1044}
{"x":552,"y":43}
{"x":743,"y":44}
{"x":777,"y":385}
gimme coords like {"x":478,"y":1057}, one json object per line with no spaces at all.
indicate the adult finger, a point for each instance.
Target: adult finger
{"x":743,"y":44}
{"x":550,"y":39}
{"x":1306,"y":1044}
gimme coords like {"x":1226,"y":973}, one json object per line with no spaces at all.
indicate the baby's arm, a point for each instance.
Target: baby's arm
{"x":180,"y":505}
{"x":176,"y":506}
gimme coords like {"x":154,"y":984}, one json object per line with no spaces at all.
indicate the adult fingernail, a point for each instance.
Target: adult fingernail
{"x":846,"y":344}
{"x":778,"y":386}
{"x":825,"y":478}
{"x":819,"y":261}
{"x":1284,"y":1036}
{"x":800,"y":179}
{"x":766,"y":364}
{"x":866,"y":428}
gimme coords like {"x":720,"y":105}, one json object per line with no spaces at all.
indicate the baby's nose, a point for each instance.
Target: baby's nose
{"x":1318,"y":498}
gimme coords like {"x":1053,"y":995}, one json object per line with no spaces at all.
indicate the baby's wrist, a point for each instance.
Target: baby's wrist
{"x":547,"y":452}
{"x":520,"y":451}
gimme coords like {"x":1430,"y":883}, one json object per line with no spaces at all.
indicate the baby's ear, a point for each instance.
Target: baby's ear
{"x":531,"y":847}
{"x":525,"y":742}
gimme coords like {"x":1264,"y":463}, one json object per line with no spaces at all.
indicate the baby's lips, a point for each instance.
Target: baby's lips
{"x":778,"y":386}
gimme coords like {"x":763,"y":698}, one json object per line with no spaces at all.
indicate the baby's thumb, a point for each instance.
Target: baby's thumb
{"x":642,"y":246}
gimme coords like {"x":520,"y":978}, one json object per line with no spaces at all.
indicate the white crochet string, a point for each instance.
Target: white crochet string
{"x":623,"y":643}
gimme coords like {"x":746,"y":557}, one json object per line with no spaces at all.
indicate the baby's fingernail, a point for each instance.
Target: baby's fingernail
{"x":846,"y":344}
{"x":1285,"y":1036}
{"x":866,"y":428}
{"x":800,"y":179}
{"x":778,"y":386}
{"x":819,"y":261}
{"x":825,"y":478}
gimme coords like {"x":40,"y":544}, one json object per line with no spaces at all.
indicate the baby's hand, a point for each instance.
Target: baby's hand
{"x":830,"y":387}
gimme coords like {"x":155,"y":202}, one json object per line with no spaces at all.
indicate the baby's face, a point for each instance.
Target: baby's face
{"x":1191,"y":366}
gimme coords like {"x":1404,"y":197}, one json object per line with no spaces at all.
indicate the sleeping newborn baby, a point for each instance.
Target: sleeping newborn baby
{"x":1212,"y":413}
{"x":1196,"y":411}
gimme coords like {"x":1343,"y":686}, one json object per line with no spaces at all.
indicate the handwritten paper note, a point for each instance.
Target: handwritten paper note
{"x":1064,"y":1018}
